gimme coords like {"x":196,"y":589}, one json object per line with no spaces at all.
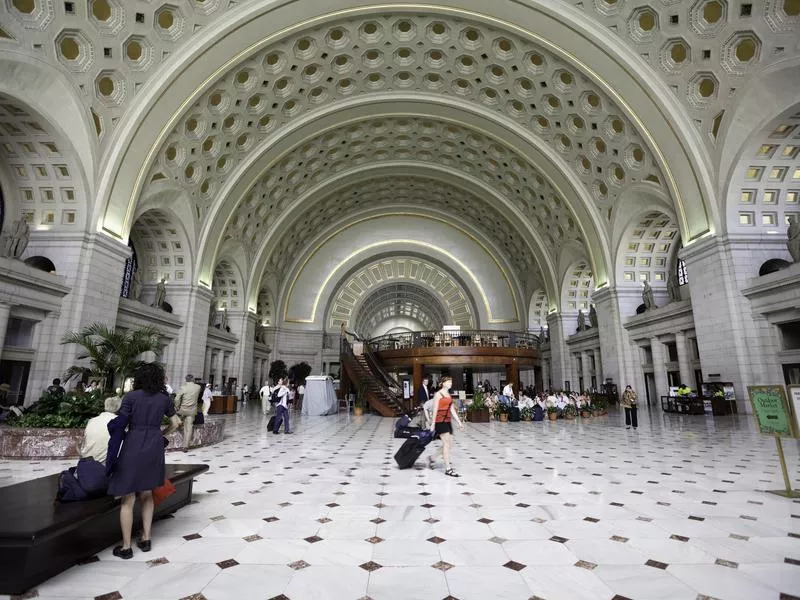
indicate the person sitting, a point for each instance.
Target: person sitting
{"x":96,"y":436}
{"x":561,"y":403}
{"x":57,"y":388}
{"x":88,"y":479}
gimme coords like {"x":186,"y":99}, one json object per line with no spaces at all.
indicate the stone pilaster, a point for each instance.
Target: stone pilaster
{"x":684,"y":359}
{"x":618,"y":364}
{"x":243,"y":325}
{"x":192,"y":304}
{"x":734,"y":344}
{"x":559,"y":325}
{"x":659,"y":368}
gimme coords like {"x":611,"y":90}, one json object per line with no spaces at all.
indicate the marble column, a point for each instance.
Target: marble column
{"x":613,"y":306}
{"x":217,"y":362}
{"x":684,"y":360}
{"x":207,"y":364}
{"x":598,"y":368}
{"x":586,"y":361}
{"x":243,"y":326}
{"x":560,"y":368}
{"x":659,"y":368}
{"x":734,"y":344}
{"x":191,"y":303}
{"x":5,"y":313}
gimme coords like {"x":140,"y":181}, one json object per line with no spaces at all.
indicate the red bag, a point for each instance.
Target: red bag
{"x":162,"y":493}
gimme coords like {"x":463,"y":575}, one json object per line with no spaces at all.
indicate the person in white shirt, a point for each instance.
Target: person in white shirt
{"x":508,"y":393}
{"x":263,"y":393}
{"x":301,"y":392}
{"x":207,"y":397}
{"x":170,"y":391}
{"x":96,"y":436}
{"x":281,"y":408}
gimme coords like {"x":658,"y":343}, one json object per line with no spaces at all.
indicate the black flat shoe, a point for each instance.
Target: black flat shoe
{"x":144,"y":545}
{"x":123,"y":554}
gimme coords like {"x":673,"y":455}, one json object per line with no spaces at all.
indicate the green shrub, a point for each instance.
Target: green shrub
{"x":60,"y":411}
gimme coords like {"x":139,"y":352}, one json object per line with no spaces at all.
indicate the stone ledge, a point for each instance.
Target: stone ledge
{"x":46,"y":443}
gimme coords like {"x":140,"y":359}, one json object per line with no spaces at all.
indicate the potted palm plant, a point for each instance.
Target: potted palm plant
{"x":113,"y":354}
{"x":552,"y":412}
{"x":478,"y":412}
{"x":570,"y":412}
{"x":526,"y":413}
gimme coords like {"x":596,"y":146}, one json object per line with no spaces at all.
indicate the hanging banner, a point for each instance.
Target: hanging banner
{"x":771,"y":409}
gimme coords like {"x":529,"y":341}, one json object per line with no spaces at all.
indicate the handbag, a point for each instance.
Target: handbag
{"x":163,"y":492}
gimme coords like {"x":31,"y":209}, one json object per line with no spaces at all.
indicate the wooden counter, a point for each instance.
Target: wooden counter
{"x":222,"y":405}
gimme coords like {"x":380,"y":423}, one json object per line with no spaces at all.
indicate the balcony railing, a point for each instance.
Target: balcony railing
{"x":476,"y":338}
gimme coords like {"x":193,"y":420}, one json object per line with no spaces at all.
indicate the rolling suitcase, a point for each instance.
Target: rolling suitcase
{"x":406,"y":432}
{"x":513,"y":414}
{"x":411,"y":449}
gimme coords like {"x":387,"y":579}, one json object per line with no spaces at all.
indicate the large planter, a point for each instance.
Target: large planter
{"x":480,"y":415}
{"x":26,"y":443}
{"x":586,"y":414}
{"x":358,"y":411}
{"x":527,"y":418}
{"x":569,"y":416}
{"x":552,"y":416}
{"x":503,"y":417}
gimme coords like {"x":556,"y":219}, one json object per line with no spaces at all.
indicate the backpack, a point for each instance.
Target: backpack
{"x":273,"y":397}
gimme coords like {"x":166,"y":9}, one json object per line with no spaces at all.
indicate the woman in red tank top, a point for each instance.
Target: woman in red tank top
{"x":444,"y":413}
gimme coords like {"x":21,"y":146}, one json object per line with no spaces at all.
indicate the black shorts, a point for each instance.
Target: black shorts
{"x":443,"y":428}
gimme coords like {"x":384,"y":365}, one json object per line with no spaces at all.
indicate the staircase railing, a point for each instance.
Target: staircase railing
{"x":379,"y":395}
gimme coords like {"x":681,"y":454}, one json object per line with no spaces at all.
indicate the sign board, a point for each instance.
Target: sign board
{"x":771,"y":409}
{"x":794,"y":404}
{"x":406,"y":389}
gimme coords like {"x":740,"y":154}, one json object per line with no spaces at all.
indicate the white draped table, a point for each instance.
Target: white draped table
{"x":320,"y":397}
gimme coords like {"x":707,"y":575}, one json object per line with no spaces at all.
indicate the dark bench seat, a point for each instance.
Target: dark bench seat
{"x":39,"y":539}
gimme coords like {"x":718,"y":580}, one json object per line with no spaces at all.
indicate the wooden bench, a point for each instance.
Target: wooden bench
{"x":39,"y":538}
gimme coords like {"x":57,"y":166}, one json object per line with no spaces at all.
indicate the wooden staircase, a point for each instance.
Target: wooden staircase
{"x":381,"y":397}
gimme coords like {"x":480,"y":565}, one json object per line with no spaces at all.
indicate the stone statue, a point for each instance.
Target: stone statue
{"x":161,"y":293}
{"x":647,"y":296}
{"x":224,"y":323}
{"x":593,"y":316}
{"x":581,"y":321}
{"x":136,"y":287}
{"x":14,"y":243}
{"x":793,"y":243}
{"x":212,"y":314}
{"x":673,"y":288}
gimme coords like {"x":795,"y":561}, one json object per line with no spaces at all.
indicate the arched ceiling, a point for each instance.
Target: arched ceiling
{"x":413,"y":195}
{"x":45,"y":186}
{"x":161,"y":248}
{"x":395,"y":53}
{"x":327,"y":260}
{"x":399,"y":300}
{"x":409,"y":271}
{"x":529,"y":126}
{"x":764,"y":193}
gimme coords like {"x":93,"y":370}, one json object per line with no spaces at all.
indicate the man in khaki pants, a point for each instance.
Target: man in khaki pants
{"x":186,"y":407}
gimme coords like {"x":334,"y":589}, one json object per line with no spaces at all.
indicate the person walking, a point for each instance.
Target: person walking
{"x":186,"y":407}
{"x":444,"y":412}
{"x":207,"y":398}
{"x":264,"y":394}
{"x":629,"y":401}
{"x":281,"y":408}
{"x":139,"y":468}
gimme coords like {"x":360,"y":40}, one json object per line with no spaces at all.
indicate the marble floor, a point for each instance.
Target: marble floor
{"x":556,"y":511}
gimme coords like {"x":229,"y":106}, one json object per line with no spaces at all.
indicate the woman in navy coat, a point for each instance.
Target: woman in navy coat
{"x":140,"y":469}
